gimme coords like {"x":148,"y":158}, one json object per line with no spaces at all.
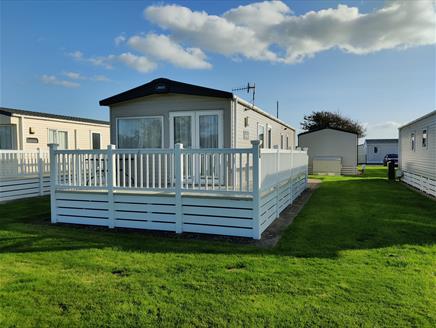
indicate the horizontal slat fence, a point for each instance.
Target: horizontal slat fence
{"x":236,"y":192}
{"x":23,"y":174}
{"x":422,"y":183}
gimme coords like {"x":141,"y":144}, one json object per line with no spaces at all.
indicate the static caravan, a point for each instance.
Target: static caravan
{"x":330,"y":150}
{"x":374,"y":150}
{"x":183,"y":158}
{"x":28,"y":131}
{"x":163,"y":112}
{"x":24,"y":158}
{"x":417,"y":153}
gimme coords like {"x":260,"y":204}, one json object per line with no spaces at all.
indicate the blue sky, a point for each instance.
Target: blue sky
{"x":63,"y":57}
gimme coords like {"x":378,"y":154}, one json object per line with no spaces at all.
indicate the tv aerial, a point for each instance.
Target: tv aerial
{"x":249,"y":88}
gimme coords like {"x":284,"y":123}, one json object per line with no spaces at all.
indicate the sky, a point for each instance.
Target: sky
{"x":373,"y":61}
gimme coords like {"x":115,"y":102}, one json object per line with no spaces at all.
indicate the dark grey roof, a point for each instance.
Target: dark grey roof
{"x":10,"y":111}
{"x":381,"y":140}
{"x":331,"y":128}
{"x":162,"y":86}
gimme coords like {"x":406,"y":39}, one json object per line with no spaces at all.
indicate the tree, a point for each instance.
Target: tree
{"x":324,"y":119}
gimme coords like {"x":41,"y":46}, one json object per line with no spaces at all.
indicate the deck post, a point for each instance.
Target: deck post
{"x":276,"y":184}
{"x":53,"y":181}
{"x":111,"y":175}
{"x":40,"y":172}
{"x":291,"y":178}
{"x":178,"y":166}
{"x":256,"y":188}
{"x":307,"y":169}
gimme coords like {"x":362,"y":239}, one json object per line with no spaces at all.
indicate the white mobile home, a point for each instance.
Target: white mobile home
{"x":24,"y":159}
{"x":417,"y":153}
{"x":184,"y":158}
{"x":28,"y":131}
{"x":164,"y":112}
{"x":374,"y":150}
{"x":330,"y":151}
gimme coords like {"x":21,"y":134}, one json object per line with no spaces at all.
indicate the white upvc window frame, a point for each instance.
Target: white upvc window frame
{"x":139,"y":117}
{"x":425,"y":128}
{"x":195,"y":125}
{"x":262,"y":145}
{"x":13,"y":135}
{"x":91,"y":140}
{"x":413,"y":141}
{"x":56,"y":141}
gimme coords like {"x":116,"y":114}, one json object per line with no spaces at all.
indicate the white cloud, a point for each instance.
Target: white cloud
{"x":104,"y":61}
{"x":161,"y":47}
{"x":76,"y":55}
{"x":388,"y":129}
{"x":271,"y":31}
{"x":119,"y":39}
{"x":78,"y":76}
{"x":139,"y":63}
{"x":53,"y":80}
{"x":74,"y":76}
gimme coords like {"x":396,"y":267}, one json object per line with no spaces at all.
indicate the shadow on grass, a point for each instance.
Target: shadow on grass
{"x":344,"y":213}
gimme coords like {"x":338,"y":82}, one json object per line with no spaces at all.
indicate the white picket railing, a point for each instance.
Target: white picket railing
{"x":18,"y":163}
{"x":23,"y":174}
{"x":158,"y":188}
{"x":203,"y":170}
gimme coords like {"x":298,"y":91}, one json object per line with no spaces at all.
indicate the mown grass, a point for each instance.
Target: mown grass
{"x":361,"y":253}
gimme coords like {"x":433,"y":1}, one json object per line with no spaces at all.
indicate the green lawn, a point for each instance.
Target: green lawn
{"x":361,"y":253}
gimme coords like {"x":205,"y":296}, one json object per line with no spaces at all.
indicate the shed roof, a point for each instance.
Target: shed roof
{"x":381,"y":140}
{"x":163,"y":86}
{"x":11,"y":111}
{"x":330,"y":128}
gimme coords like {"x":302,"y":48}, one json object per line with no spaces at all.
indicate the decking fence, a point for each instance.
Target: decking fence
{"x":237,"y":192}
{"x":23,"y":174}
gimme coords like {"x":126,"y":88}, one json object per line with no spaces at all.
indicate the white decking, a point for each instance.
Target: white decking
{"x":235,"y":192}
{"x":23,"y":174}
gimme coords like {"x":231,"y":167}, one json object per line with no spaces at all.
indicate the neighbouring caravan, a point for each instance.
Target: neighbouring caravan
{"x":330,"y":151}
{"x":29,"y":131}
{"x":417,"y":153}
{"x":24,"y":158}
{"x":163,"y":112}
{"x":374,"y":150}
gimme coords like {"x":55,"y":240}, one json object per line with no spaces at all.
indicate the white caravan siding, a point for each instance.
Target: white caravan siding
{"x":162,"y":105}
{"x":420,"y":162}
{"x":235,"y":134}
{"x":244,"y":134}
{"x":331,"y":143}
{"x":78,"y":132}
{"x":383,"y":148}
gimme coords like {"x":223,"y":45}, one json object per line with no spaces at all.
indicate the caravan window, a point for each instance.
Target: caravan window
{"x":412,"y":141}
{"x":424,"y":138}
{"x":58,"y":137}
{"x":375,"y":150}
{"x":140,"y":132}
{"x":261,"y":135}
{"x":6,"y":137}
